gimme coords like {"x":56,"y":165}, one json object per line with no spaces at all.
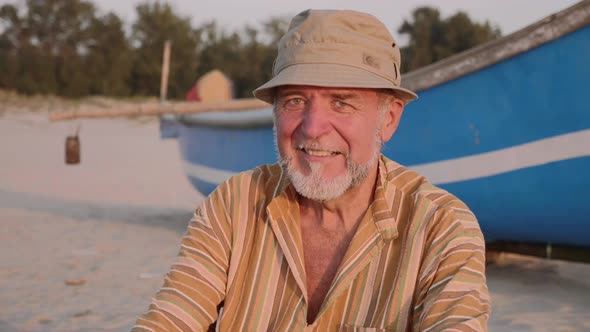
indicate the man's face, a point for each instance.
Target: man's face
{"x":329,"y":139}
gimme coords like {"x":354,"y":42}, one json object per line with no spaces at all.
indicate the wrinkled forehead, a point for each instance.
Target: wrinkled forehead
{"x":342,"y":92}
{"x":319,"y":90}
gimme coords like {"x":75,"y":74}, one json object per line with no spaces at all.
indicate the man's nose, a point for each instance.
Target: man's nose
{"x":316,"y":121}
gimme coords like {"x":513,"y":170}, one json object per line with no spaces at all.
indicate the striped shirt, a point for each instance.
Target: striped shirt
{"x":415,"y":263}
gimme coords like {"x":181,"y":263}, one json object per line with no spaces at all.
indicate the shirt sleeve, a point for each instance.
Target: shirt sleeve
{"x":452,"y":294}
{"x":195,"y":286}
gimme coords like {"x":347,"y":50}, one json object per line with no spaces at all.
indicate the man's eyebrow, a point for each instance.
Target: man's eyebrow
{"x":345,"y":96}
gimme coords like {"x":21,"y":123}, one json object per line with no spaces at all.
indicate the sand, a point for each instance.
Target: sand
{"x":84,"y":247}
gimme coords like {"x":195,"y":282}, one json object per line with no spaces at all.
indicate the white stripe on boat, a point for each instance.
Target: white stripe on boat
{"x":536,"y":153}
{"x":207,"y":174}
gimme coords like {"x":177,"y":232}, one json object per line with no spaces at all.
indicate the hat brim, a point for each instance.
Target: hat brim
{"x":329,"y":75}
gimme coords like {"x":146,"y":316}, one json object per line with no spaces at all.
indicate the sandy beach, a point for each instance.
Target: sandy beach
{"x":84,"y":247}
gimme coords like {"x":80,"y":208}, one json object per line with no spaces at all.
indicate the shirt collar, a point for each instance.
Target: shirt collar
{"x":386,"y":202}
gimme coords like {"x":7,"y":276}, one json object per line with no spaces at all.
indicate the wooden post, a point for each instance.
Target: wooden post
{"x":165,"y":71}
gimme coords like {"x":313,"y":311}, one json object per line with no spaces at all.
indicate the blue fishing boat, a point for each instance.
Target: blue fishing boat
{"x":504,"y":126}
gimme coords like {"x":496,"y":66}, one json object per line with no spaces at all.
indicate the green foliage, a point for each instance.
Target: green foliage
{"x":432,"y":39}
{"x":61,"y":47}
{"x":67,"y":47}
{"x":59,"y":30}
{"x":109,"y":57}
{"x":156,"y":23}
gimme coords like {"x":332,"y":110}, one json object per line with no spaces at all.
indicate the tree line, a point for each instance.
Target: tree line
{"x":69,"y":48}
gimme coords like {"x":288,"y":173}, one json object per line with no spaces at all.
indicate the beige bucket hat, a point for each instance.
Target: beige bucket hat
{"x":336,"y":48}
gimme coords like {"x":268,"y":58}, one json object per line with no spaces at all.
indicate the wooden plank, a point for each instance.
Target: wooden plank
{"x":159,"y":109}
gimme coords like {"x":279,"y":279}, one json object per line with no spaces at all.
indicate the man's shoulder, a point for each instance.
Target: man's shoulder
{"x":416,"y":185}
{"x":267,"y":173}
{"x":262,"y":179}
{"x":440,"y":210}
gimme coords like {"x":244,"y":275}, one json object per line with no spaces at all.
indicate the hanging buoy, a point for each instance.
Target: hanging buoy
{"x":73,"y":149}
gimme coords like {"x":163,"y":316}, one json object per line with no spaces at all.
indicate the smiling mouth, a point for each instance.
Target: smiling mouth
{"x":318,"y":152}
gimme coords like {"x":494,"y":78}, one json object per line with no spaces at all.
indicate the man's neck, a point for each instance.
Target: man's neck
{"x":345,"y":210}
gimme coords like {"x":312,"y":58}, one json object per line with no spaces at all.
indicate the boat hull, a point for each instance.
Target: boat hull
{"x":512,"y":140}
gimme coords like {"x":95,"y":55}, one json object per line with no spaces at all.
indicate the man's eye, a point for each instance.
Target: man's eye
{"x":342,"y":105}
{"x":294,"y":103}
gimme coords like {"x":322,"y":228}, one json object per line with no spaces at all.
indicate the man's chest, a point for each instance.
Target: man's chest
{"x":323,"y":252}
{"x":355,"y":282}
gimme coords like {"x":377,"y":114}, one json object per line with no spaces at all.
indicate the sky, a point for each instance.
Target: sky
{"x":509,"y":15}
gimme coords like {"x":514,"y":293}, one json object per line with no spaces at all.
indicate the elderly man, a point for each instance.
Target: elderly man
{"x":335,"y":237}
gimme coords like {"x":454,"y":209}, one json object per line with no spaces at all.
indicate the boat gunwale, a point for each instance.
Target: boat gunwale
{"x":532,"y":36}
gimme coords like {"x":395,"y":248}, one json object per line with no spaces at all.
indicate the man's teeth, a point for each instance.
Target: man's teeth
{"x":320,"y":153}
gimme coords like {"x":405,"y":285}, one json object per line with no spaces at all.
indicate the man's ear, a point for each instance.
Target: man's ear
{"x":391,"y":118}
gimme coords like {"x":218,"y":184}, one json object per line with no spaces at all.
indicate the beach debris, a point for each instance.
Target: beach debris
{"x":75,"y":282}
{"x":83,"y":313}
{"x":44,"y":320}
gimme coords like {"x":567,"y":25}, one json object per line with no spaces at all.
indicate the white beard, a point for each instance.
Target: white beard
{"x":317,"y":188}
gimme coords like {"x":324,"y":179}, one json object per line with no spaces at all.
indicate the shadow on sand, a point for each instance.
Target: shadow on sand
{"x":173,"y":218}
